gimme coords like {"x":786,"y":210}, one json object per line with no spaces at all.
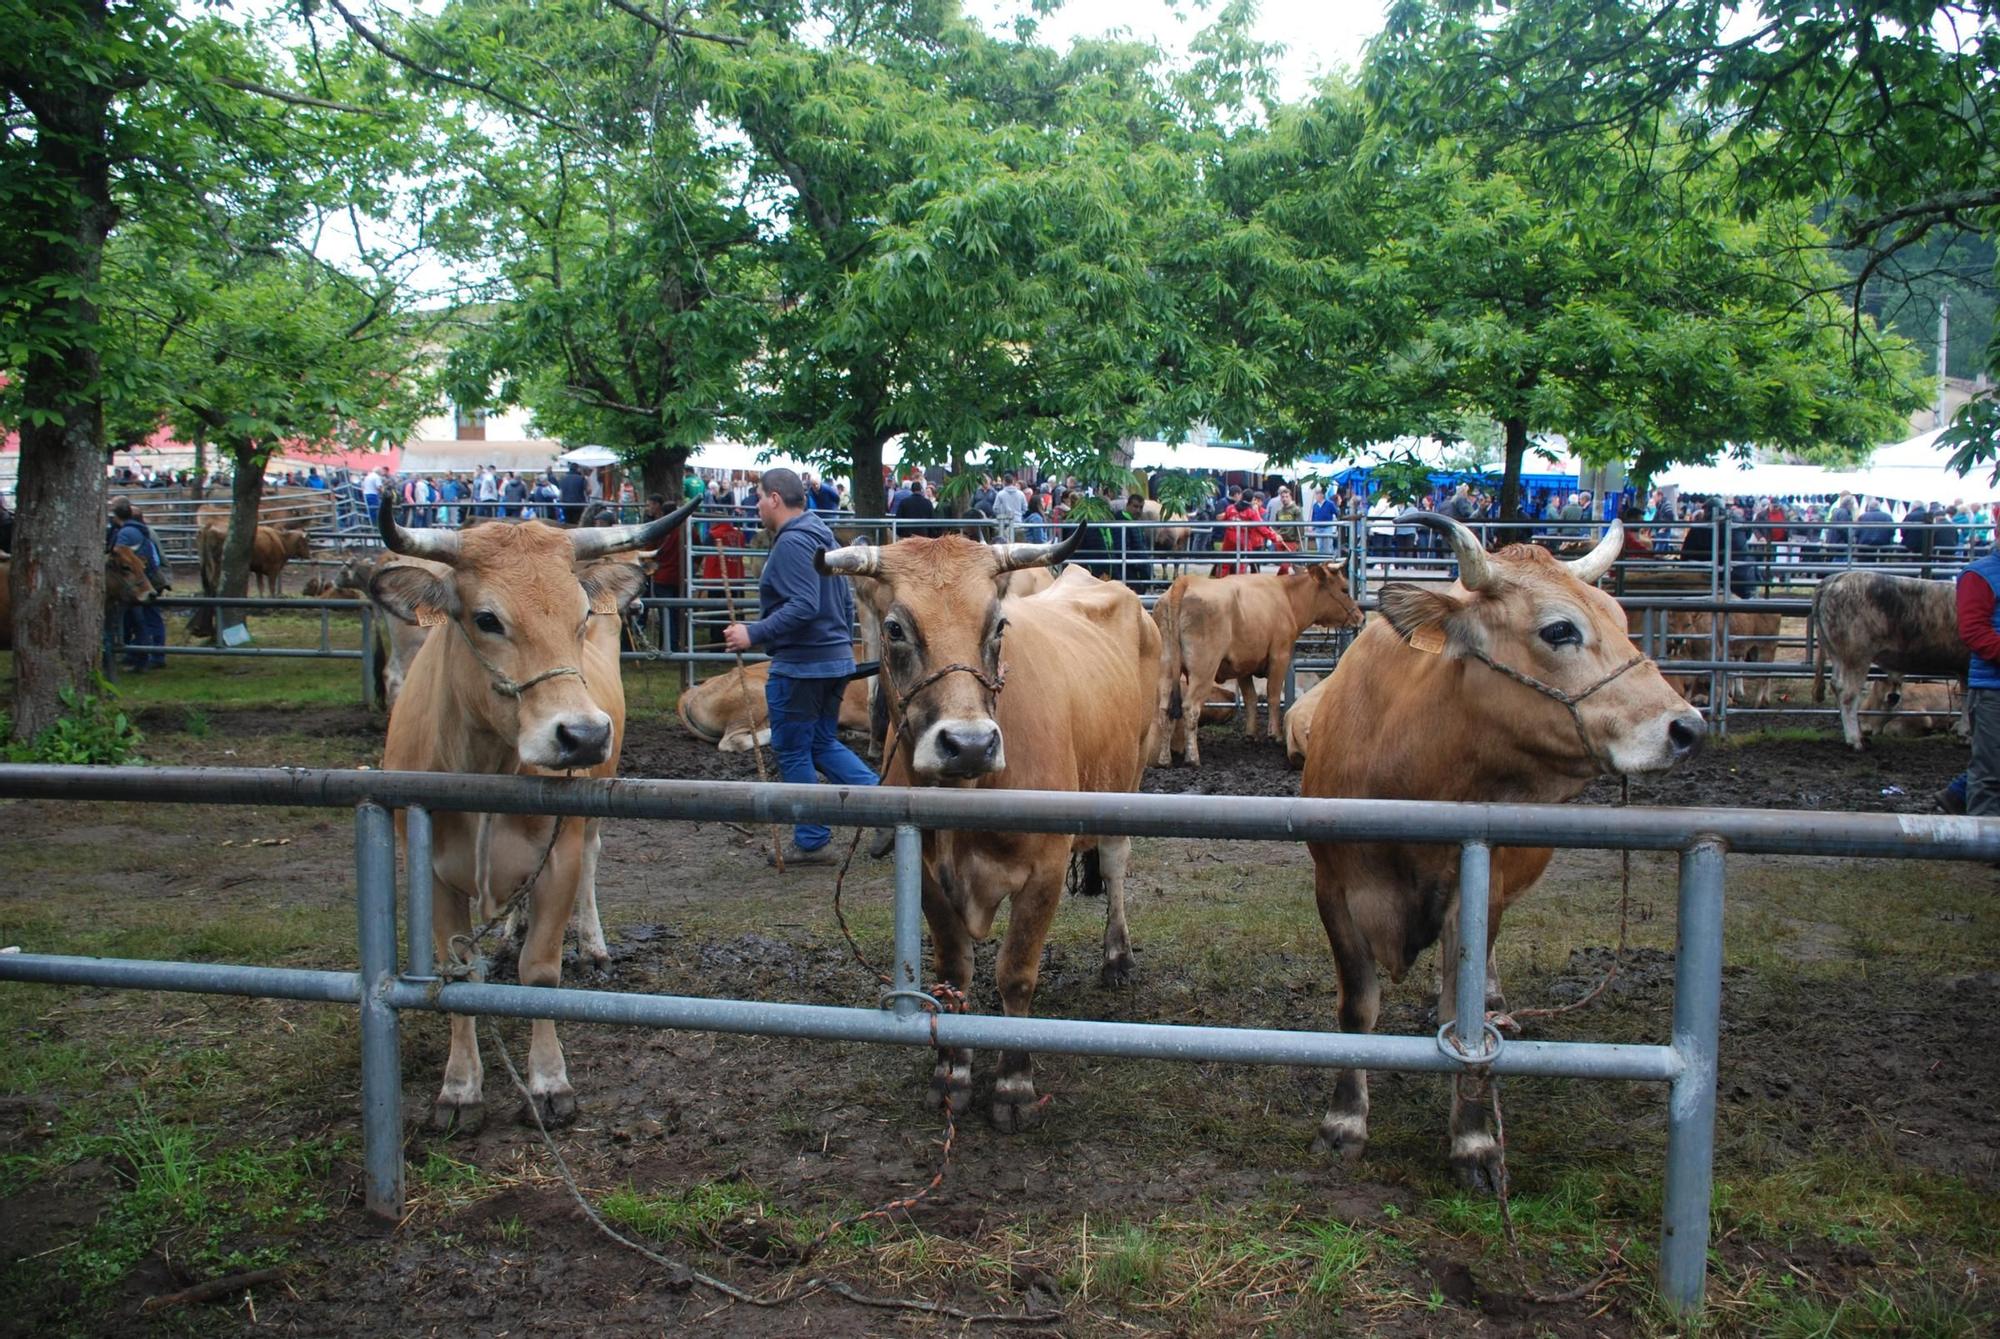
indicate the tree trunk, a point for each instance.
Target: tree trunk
{"x":660,"y":471}
{"x":246,"y":496}
{"x":867,"y":494}
{"x":1510,"y":481}
{"x":198,"y":485}
{"x":57,"y":577}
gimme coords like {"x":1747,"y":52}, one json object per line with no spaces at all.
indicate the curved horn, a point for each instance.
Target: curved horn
{"x":596,"y":541}
{"x":1013,"y":556}
{"x":437,"y":545}
{"x":862,"y":559}
{"x":1474,"y":571}
{"x":1597,"y":562}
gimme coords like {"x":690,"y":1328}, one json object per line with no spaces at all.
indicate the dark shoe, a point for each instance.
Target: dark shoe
{"x":796,"y":855}
{"x":1949,"y":801}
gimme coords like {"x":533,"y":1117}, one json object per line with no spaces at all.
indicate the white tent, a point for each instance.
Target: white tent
{"x":1194,"y":456}
{"x":1908,"y":471}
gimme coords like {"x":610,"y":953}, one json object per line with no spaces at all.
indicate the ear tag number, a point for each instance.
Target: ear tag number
{"x":1428,"y":640}
{"x":431,"y":618}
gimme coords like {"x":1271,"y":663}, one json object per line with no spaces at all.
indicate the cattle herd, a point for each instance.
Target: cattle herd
{"x":1518,"y":683}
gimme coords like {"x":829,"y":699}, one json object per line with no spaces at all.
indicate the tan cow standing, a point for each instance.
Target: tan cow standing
{"x":1424,"y":707}
{"x":522,"y":676}
{"x":1752,"y":638}
{"x":1216,"y":629}
{"x":1054,"y":691}
{"x":270,"y":549}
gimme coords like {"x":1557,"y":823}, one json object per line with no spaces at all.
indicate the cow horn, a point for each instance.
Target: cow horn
{"x":437,"y":545}
{"x":1474,"y":571}
{"x":594,"y":541}
{"x":1015,"y":556}
{"x":862,"y":559}
{"x":1597,"y":562}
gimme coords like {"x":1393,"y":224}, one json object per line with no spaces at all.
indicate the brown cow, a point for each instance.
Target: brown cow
{"x":1050,"y":692}
{"x":125,"y":584}
{"x":1752,"y":638}
{"x":521,"y":678}
{"x":1238,"y":627}
{"x":1425,"y":706}
{"x":729,"y":711}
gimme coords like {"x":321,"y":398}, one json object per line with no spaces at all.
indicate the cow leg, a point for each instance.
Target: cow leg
{"x":461,"y":1103}
{"x":1274,"y":693}
{"x":951,"y":944}
{"x":1114,"y":854}
{"x":1343,"y":1131}
{"x":1246,"y":693}
{"x":589,"y":930}
{"x":1850,"y":687}
{"x":549,"y":1094}
{"x":1475,"y":1152}
{"x":1015,"y":1105}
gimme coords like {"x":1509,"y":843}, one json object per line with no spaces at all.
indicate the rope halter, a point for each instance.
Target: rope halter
{"x":503,"y":685}
{"x":1572,"y":702}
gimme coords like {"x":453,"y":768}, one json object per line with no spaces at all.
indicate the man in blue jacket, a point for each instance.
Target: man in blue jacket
{"x":807,"y":626}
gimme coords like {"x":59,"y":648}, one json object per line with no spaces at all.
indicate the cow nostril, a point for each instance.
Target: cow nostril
{"x":582,"y":739}
{"x":1686,"y":733}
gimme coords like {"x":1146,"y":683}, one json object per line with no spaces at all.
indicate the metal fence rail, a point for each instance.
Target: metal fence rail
{"x":382,"y":989}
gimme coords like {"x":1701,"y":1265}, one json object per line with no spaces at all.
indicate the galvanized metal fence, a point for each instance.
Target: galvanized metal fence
{"x":382,"y":988}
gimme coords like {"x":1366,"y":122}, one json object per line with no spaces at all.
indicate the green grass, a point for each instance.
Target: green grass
{"x":174,"y":1190}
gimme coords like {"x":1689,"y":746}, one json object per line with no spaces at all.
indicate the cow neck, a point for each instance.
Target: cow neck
{"x":1571,"y":702}
{"x":1298,"y":594}
{"x":503,"y":685}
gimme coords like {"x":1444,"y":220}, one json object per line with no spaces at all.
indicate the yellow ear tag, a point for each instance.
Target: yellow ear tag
{"x":1429,"y":640}
{"x":604,"y":604}
{"x":431,"y":618}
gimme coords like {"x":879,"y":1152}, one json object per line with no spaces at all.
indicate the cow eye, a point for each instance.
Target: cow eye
{"x":894,"y":631}
{"x":1562,"y":632}
{"x":487,"y":621}
{"x":999,"y":629}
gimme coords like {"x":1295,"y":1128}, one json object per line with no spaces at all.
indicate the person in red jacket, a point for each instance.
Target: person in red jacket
{"x":1979,"y":629}
{"x":1247,"y":532}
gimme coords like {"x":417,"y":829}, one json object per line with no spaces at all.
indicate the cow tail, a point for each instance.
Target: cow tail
{"x":1086,"y":873}
{"x":1817,"y":631}
{"x":1170,"y":647}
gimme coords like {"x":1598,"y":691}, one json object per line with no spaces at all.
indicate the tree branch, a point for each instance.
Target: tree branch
{"x":411,"y":63}
{"x":295,"y":99}
{"x":671,"y":31}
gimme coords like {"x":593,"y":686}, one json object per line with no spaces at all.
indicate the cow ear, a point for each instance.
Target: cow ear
{"x":1418,"y":613}
{"x":414,"y":595}
{"x":612,"y":585}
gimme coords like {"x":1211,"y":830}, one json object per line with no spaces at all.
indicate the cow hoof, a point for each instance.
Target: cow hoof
{"x":1117,"y":973}
{"x":955,"y":1086}
{"x":1475,"y":1163}
{"x":454,"y":1118}
{"x":554,"y":1109}
{"x":1475,"y":1175}
{"x":597,"y":969}
{"x":1011,"y":1117}
{"x":1342,"y":1138}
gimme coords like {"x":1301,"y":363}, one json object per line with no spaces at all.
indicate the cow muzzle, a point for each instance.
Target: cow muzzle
{"x":960,"y":750}
{"x":572,"y":742}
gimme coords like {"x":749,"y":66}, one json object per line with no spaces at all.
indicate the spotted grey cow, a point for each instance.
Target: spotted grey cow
{"x":1904,"y":625}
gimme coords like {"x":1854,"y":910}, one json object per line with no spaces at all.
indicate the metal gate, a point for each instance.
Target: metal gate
{"x":382,"y":987}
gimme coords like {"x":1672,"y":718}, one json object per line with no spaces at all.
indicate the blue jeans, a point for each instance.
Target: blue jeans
{"x":804,"y":714}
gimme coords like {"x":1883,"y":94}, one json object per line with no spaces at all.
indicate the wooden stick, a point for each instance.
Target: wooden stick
{"x":214,"y":1288}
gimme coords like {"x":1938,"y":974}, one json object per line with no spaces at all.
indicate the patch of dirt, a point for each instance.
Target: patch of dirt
{"x":822,"y":1129}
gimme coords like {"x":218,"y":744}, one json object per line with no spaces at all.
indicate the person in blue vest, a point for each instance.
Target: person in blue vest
{"x":145,"y":630}
{"x":807,"y":626}
{"x":1979,"y":629}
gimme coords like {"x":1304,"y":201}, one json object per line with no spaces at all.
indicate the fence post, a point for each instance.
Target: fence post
{"x":1475,"y":868}
{"x":381,"y":1029}
{"x":1691,"y":1104}
{"x":417,"y":925}
{"x":909,"y":916}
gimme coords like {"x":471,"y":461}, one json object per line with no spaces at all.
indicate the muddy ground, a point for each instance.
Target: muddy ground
{"x":1832,"y":1043}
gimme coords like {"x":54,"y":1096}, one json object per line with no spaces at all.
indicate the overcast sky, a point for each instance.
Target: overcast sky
{"x":1320,"y":35}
